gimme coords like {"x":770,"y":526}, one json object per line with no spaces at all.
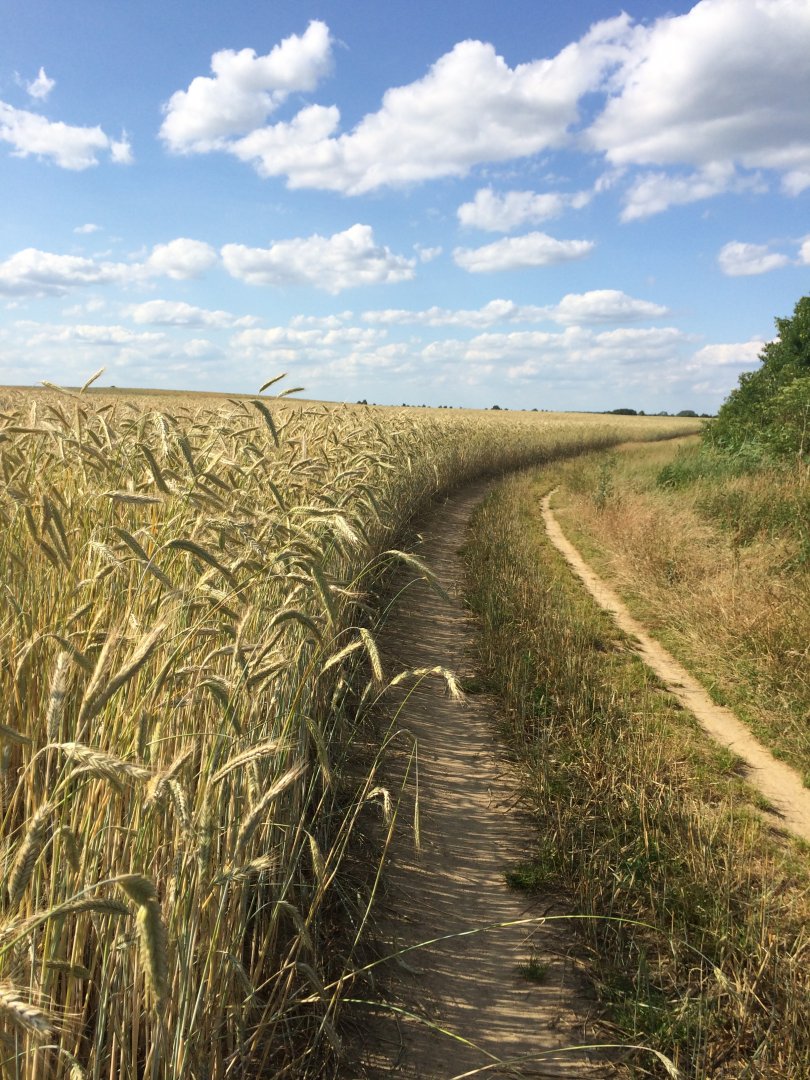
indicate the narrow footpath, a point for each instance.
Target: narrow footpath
{"x":779,"y":783}
{"x":494,"y":1021}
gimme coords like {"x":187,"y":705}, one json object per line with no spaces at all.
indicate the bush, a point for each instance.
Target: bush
{"x":771,"y":406}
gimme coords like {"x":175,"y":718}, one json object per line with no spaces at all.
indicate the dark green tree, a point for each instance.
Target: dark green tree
{"x":770,"y":408}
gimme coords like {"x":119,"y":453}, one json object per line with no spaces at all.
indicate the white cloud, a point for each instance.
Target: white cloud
{"x":281,"y":337}
{"x":604,"y":306}
{"x":496,"y":311}
{"x":89,"y":334}
{"x":597,"y":306}
{"x":321,"y":322}
{"x":608,"y":360}
{"x":41,"y":273}
{"x":804,"y":252}
{"x":181,"y":259}
{"x":92,"y":305}
{"x":655,"y":192}
{"x":342,"y":261}
{"x":740,"y":355}
{"x":737,"y":259}
{"x":121,"y":150}
{"x":469,"y":108}
{"x":724,"y":85}
{"x":36,"y":273}
{"x":202,"y":349}
{"x":513,"y":209}
{"x":179,"y":313}
{"x":40,"y":87}
{"x":427,"y":254}
{"x":520,"y":252}
{"x":796,"y":181}
{"x":69,"y":147}
{"x":244,"y":90}
{"x":717,"y":93}
{"x":86,"y":230}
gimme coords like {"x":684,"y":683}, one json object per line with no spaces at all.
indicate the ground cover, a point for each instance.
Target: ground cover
{"x":711,"y":551}
{"x":186,"y":632}
{"x":695,"y":910}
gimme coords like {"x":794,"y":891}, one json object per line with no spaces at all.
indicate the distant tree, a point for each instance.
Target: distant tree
{"x":686,"y":412}
{"x":770,"y":408}
{"x":624,"y":412}
{"x":496,"y":407}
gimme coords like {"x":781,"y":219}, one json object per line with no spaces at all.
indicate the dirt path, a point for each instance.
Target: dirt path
{"x":470,"y":834}
{"x":781,"y":785}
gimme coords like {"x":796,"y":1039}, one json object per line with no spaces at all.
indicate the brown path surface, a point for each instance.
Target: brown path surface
{"x":470,"y":834}
{"x":781,"y":785}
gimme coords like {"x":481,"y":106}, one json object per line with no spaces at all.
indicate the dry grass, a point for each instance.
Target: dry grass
{"x":716,"y":568}
{"x":186,"y":633}
{"x":695,"y":911}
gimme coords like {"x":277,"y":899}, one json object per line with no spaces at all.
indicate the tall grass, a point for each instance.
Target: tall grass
{"x":695,"y":913}
{"x":714,"y":553}
{"x":186,"y":610}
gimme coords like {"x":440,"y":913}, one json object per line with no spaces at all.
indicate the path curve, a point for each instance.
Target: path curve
{"x":470,"y":834}
{"x":779,"y":783}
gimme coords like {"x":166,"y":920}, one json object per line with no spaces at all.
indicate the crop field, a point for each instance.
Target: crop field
{"x":186,"y":655}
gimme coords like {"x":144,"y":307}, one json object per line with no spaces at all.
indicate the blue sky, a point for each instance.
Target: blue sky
{"x":531,"y":204}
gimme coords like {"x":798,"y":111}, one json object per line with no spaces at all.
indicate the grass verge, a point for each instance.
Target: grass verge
{"x":711,"y":553}
{"x":695,"y":912}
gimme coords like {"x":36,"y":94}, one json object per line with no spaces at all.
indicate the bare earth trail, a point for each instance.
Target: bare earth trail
{"x":470,"y":835}
{"x":780,"y":784}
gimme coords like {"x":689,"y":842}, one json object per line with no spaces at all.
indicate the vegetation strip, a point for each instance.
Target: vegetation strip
{"x":781,"y":785}
{"x":698,"y":911}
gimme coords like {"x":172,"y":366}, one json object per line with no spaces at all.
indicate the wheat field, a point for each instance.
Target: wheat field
{"x":187,"y":612}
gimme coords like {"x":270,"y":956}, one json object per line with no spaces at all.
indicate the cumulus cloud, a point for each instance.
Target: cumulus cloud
{"x":597,"y":306}
{"x":655,"y":192}
{"x":244,"y":90}
{"x":804,"y":252}
{"x":531,"y":353}
{"x":739,"y":355}
{"x":181,"y":259}
{"x":471,"y":107}
{"x":604,"y":306}
{"x":277,"y":337}
{"x":496,"y":311}
{"x":723,"y":86}
{"x":69,"y":147}
{"x":40,"y":87}
{"x":738,"y":259}
{"x":31,"y":272}
{"x":179,"y":313}
{"x":511,"y":210}
{"x":703,"y":93}
{"x":342,"y":261}
{"x":324,"y":353}
{"x":121,"y":150}
{"x":521,"y":253}
{"x":35,"y":273}
{"x":89,"y":334}
{"x":86,"y":230}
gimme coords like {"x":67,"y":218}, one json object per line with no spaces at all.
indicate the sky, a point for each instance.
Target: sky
{"x":530,"y":204}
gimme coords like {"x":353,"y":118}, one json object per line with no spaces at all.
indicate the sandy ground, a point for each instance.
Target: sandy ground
{"x":781,"y":786}
{"x":471,"y":832}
